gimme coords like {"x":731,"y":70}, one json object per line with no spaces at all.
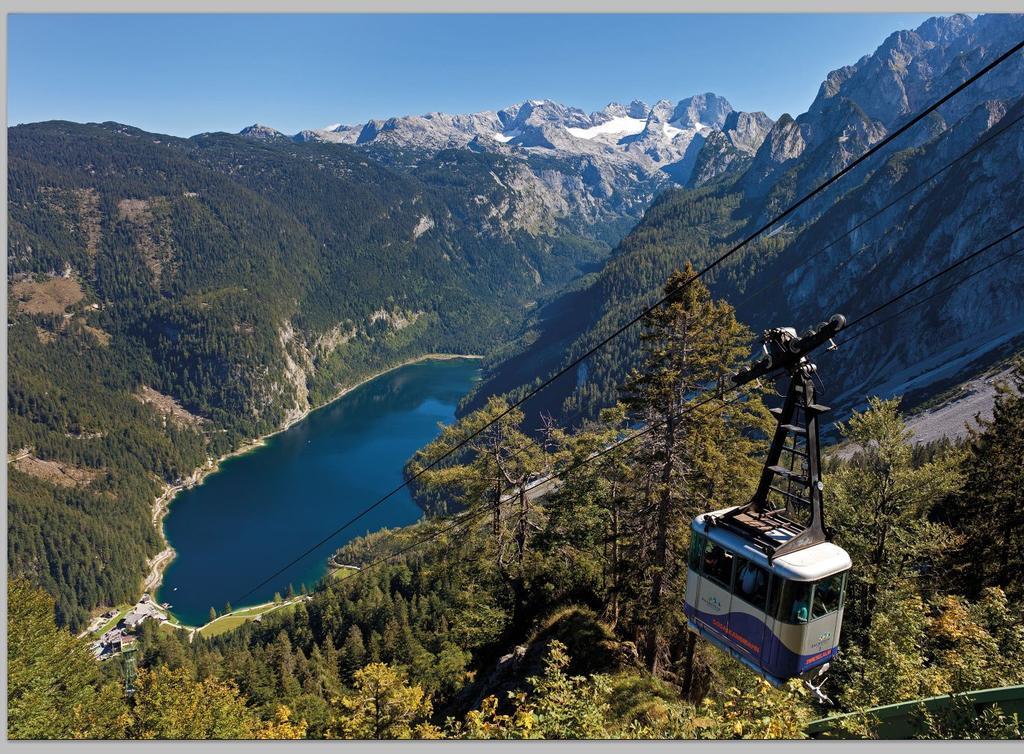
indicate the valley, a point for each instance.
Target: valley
{"x":507,"y":225}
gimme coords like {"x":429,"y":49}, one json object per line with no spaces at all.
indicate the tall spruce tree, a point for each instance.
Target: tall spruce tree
{"x":991,"y":510}
{"x":697,"y":458}
{"x":353,"y":654}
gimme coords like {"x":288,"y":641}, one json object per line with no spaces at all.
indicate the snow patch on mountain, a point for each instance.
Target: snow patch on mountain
{"x":504,"y":138}
{"x":618,"y":126}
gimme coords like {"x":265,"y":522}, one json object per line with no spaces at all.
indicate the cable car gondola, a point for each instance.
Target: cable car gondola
{"x":764,"y":583}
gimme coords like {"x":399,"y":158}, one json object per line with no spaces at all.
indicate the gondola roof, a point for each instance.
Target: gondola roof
{"x":809,"y":564}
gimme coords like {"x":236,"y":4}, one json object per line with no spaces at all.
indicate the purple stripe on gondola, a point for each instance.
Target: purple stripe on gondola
{"x":747,"y":634}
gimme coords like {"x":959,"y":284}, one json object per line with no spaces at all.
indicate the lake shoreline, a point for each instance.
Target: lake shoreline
{"x":156,"y":565}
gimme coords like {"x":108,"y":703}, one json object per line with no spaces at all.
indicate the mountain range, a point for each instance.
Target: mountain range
{"x":651,"y":137}
{"x":606,"y":164}
{"x":848,"y":250}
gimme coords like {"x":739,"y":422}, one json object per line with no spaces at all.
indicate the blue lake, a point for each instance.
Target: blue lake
{"x":262,"y":509}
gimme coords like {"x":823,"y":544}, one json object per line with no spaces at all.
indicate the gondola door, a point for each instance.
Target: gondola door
{"x":714,"y":600}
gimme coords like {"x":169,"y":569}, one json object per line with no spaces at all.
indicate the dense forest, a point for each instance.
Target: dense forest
{"x":562,"y":617}
{"x":172,"y":298}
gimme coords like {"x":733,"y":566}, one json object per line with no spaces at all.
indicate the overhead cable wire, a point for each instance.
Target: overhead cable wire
{"x":929,"y":297}
{"x":470,"y":517}
{"x":917,"y":286}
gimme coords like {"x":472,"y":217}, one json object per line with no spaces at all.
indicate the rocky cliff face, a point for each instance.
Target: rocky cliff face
{"x":858,"y":105}
{"x":732,"y":149}
{"x":969,"y":205}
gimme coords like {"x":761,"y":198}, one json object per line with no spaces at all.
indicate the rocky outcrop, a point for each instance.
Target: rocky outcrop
{"x":783,"y":144}
{"x":395,"y":320}
{"x":262,"y":133}
{"x":732,"y":149}
{"x":335,"y":135}
{"x":425,"y":223}
{"x":298,"y":363}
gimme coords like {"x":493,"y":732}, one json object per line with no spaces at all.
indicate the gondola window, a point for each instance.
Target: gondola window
{"x":718,"y":565}
{"x":752,"y":584}
{"x":827,"y":593}
{"x":795,"y":605}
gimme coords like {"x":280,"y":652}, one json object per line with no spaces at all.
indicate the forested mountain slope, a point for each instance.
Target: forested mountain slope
{"x":774,"y":280}
{"x":170,"y":298}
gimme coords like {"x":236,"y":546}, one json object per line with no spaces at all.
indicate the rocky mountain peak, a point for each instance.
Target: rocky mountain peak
{"x":259,"y":131}
{"x":782,"y":144}
{"x":625,"y":149}
{"x":909,"y":67}
{"x":308,"y":135}
{"x":746,"y":131}
{"x":636,"y":109}
{"x":663,"y":110}
{"x":942,"y":29}
{"x":541,"y":112}
{"x":731,"y":149}
{"x":706,"y":109}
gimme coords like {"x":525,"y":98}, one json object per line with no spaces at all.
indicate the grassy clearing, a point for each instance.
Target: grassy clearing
{"x":51,"y":296}
{"x":343,"y":572}
{"x":251,"y":612}
{"x":223,"y":625}
{"x":236,"y":618}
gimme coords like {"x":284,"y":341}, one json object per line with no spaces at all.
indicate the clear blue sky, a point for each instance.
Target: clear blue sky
{"x":191,"y":73}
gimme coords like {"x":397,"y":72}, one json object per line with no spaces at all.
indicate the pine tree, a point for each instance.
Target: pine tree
{"x":353,"y":654}
{"x":282,"y":659}
{"x":694,"y":459}
{"x":583,"y":521}
{"x":491,"y":473}
{"x":326,"y":667}
{"x":990,"y":510}
{"x":383,"y":705}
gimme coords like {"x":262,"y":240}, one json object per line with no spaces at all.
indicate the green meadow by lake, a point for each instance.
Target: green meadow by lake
{"x":261,"y":509}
